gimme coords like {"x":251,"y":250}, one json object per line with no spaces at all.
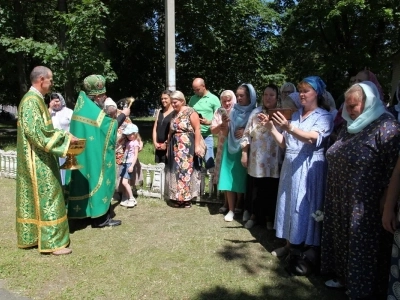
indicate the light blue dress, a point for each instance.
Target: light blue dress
{"x":302,"y":181}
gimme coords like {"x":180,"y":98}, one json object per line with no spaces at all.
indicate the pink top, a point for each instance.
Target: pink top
{"x":130,"y":151}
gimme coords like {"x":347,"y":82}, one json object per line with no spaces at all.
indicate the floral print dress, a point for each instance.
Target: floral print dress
{"x":355,"y":246}
{"x":183,"y":171}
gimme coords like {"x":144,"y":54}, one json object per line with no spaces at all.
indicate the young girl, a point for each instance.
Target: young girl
{"x":130,"y":139}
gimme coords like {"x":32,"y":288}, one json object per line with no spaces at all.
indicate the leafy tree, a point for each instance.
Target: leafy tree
{"x":336,"y":39}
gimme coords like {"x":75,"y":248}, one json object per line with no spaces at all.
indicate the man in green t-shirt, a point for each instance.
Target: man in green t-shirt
{"x":205,"y":104}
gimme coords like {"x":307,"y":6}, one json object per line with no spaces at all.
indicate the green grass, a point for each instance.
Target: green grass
{"x":157,"y":253}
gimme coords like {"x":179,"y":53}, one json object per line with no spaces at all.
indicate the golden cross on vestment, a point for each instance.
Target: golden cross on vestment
{"x":105,"y":199}
{"x":109,"y":164}
{"x":91,"y":138}
{"x":88,"y":175}
{"x":108,"y":181}
{"x":77,"y":208}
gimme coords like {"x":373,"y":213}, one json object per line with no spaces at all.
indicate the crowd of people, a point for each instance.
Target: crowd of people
{"x":324,"y":175}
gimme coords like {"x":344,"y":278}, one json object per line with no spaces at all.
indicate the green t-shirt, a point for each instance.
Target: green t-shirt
{"x":206,"y":106}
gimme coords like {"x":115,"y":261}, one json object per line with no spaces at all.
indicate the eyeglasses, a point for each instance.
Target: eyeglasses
{"x":287,"y":92}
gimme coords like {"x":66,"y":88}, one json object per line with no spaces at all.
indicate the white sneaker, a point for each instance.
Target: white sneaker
{"x":249,"y":224}
{"x":333,"y":283}
{"x":246,"y":216}
{"x":124,"y":203}
{"x":229,"y":216}
{"x":132,"y":202}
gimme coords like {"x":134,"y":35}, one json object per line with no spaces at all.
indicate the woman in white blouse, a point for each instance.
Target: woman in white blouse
{"x":61,"y":117}
{"x":263,"y":158}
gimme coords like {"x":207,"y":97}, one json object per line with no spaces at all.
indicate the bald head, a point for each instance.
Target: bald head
{"x":199,"y":87}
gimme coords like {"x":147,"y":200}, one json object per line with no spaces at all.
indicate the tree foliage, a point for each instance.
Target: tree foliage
{"x":226,"y":42}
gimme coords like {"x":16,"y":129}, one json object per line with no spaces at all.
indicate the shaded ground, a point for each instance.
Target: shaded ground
{"x":158,"y":253}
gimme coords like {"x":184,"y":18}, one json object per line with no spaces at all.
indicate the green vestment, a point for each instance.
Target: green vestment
{"x":90,"y":189}
{"x":41,"y":212}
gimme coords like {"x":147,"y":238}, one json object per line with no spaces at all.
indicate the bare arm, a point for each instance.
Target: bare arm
{"x":195,"y":122}
{"x":134,"y":159}
{"x":278,"y":137}
{"x":155,"y":131}
{"x":309,"y":137}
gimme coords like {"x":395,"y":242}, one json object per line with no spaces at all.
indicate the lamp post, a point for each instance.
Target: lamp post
{"x":170,"y":44}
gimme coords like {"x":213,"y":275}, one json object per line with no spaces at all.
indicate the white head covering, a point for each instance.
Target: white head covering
{"x":109,"y":102}
{"x":373,"y":108}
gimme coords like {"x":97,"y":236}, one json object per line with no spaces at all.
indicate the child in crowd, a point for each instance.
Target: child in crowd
{"x":130,"y":140}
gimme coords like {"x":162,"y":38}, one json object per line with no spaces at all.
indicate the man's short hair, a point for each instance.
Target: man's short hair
{"x":39,"y":71}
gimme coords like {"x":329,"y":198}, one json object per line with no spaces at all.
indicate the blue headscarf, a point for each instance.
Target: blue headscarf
{"x":317,"y":84}
{"x":296,"y":99}
{"x":373,"y":108}
{"x":239,"y":117}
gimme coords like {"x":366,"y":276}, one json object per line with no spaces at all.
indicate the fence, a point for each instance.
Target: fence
{"x":8,"y":164}
{"x":154,"y":183}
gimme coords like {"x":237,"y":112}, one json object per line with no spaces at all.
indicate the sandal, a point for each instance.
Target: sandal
{"x":187,"y":205}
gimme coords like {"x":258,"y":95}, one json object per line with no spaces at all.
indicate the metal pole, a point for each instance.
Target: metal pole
{"x":170,"y":44}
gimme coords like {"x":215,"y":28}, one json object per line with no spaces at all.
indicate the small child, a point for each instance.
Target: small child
{"x":130,"y":139}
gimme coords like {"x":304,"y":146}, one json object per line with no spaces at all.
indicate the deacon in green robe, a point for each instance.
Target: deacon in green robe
{"x":90,"y":189}
{"x":41,"y":218}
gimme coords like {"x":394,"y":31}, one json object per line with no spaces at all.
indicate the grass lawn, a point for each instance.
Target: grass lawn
{"x":157,"y":253}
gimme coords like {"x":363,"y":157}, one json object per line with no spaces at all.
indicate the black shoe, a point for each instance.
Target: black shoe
{"x":110,"y":223}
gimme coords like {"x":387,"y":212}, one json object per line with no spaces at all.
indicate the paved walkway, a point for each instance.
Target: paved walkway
{"x":7,"y":295}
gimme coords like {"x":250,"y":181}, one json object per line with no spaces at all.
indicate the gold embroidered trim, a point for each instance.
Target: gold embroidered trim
{"x":95,"y":123}
{"x":53,"y":139}
{"x":42,"y":223}
{"x":100,"y":182}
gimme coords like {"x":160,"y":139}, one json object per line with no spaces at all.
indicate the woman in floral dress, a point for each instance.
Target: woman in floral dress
{"x":263,"y":158}
{"x":183,"y":151}
{"x":355,"y":246}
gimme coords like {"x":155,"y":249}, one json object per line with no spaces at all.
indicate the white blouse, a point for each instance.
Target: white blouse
{"x":265,"y":156}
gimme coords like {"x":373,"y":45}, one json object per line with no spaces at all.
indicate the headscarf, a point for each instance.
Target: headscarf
{"x":110,"y":102}
{"x":288,"y":84}
{"x":316,"y":83}
{"x":62,"y":101}
{"x":233,"y":101}
{"x":217,"y":118}
{"x":296,"y":99}
{"x":373,"y":108}
{"x":238,"y":118}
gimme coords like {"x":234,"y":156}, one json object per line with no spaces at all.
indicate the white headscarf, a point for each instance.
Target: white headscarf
{"x":373,"y":108}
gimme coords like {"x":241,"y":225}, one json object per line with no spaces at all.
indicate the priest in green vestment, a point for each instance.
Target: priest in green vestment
{"x":90,"y":189}
{"x":41,"y":218}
